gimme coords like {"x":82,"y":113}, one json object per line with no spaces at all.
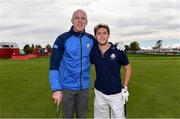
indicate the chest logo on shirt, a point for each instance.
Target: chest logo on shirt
{"x":113,"y":56}
{"x":55,"y":46}
{"x":88,"y":45}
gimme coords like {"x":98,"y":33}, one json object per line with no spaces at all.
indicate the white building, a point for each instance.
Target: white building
{"x":8,"y":45}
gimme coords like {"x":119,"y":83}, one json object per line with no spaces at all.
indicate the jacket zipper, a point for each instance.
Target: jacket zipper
{"x":81,"y":62}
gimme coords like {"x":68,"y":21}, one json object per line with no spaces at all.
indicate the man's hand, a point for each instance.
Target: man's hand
{"x":57,"y":96}
{"x":120,"y":46}
{"x":125,"y":94}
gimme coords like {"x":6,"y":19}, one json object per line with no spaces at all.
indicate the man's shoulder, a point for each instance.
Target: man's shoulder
{"x":95,"y":49}
{"x":113,"y":46}
{"x":115,"y":49}
{"x":64,"y":35}
{"x":61,"y":39}
{"x":90,"y":35}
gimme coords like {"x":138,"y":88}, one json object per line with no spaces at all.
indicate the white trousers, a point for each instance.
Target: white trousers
{"x":108,"y":106}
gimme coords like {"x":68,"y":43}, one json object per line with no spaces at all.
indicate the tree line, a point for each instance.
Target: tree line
{"x":134,"y":46}
{"x":29,"y":49}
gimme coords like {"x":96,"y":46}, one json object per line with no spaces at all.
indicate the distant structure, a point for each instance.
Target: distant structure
{"x":41,"y":52}
{"x":8,"y":49}
{"x":11,"y":50}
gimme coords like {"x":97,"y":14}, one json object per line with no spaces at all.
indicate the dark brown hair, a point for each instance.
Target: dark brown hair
{"x":101,"y":26}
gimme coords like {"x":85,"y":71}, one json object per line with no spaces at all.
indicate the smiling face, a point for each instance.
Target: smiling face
{"x":79,"y":20}
{"x":102,"y":36}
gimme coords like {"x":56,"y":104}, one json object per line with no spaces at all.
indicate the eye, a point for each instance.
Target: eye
{"x":76,"y":17}
{"x":83,"y":18}
{"x":104,"y":33}
{"x":99,"y":33}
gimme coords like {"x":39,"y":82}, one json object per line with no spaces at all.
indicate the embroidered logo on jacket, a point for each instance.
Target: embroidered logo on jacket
{"x":88,"y":45}
{"x":55,"y":46}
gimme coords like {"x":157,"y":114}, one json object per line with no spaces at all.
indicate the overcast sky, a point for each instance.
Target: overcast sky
{"x":41,"y":21}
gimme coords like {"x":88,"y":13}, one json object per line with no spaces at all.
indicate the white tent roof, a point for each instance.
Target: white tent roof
{"x":10,"y":44}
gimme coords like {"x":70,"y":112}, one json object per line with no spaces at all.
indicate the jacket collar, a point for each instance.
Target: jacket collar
{"x":78,"y":34}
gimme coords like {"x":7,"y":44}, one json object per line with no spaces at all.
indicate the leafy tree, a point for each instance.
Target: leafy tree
{"x":32,"y":46}
{"x":48,"y":46}
{"x":134,"y":46}
{"x":127,"y":47}
{"x":27,"y":49}
{"x":38,"y":46}
{"x":158,"y":44}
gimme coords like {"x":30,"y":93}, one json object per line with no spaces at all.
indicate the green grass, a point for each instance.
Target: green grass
{"x":154,"y":88}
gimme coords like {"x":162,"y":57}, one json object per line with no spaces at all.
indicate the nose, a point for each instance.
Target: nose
{"x":80,"y":20}
{"x":102,"y":35}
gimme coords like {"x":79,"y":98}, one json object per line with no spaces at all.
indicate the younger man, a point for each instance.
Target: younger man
{"x":109,"y":91}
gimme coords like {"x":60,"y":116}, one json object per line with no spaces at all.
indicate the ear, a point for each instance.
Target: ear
{"x":86,"y":22}
{"x":72,"y":21}
{"x":108,"y":36}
